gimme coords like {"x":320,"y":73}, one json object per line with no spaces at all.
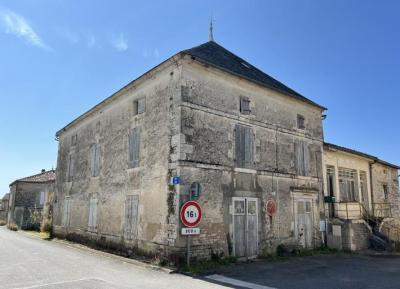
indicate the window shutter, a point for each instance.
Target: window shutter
{"x":93,"y":159}
{"x":134,"y":148}
{"x":97,"y":160}
{"x":238,"y":146}
{"x":248,"y":147}
{"x":131,"y":214}
{"x":306,"y":158}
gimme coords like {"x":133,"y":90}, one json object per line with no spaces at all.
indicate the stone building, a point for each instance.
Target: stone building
{"x":31,"y":200}
{"x":366,"y":192}
{"x":207,"y":116}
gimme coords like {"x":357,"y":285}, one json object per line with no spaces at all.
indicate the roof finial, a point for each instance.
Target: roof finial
{"x":210,"y":34}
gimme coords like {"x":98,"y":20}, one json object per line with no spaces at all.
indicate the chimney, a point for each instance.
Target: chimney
{"x":43,"y":170}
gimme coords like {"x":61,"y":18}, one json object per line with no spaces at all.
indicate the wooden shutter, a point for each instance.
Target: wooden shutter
{"x":92,"y":224}
{"x":93,"y":159}
{"x":70,"y":168}
{"x":97,"y":154}
{"x":302,"y":158}
{"x":244,"y":146}
{"x":248,"y":147}
{"x":134,"y":148}
{"x":131,"y":216}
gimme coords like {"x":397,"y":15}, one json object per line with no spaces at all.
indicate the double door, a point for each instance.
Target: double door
{"x":245,"y":227}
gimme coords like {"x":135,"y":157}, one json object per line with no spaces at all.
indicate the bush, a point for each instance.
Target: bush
{"x":12,"y":227}
{"x":3,"y":223}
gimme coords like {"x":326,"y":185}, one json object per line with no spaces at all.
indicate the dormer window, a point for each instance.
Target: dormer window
{"x":301,"y":122}
{"x":245,"y":105}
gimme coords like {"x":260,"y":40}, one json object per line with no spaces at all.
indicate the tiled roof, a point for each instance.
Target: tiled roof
{"x":215,"y":55}
{"x":47,"y":176}
{"x":351,"y":151}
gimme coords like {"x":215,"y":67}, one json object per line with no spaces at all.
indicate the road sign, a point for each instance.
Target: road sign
{"x":175,"y":180}
{"x":271,"y":207}
{"x":190,"y":231}
{"x":190,"y":214}
{"x":195,"y":191}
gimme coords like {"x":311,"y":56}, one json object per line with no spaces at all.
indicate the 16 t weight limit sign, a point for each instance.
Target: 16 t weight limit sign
{"x":190,"y":214}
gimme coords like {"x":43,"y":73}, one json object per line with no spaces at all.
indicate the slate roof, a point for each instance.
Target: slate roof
{"x":355,"y":152}
{"x":215,"y":55}
{"x":47,"y":176}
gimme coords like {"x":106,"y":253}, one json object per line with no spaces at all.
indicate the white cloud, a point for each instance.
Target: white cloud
{"x":17,"y":25}
{"x":120,"y":42}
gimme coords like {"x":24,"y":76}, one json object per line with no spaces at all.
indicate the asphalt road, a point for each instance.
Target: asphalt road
{"x":322,"y":272}
{"x":31,"y":263}
{"x":26,"y":262}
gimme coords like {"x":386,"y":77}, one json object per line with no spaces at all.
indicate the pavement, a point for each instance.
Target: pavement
{"x":29,"y":262}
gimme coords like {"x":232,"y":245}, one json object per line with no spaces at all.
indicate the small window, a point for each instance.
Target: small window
{"x":245,"y":105}
{"x":300,"y":122}
{"x":239,"y":207}
{"x":139,"y":106}
{"x":385,"y":192}
{"x":74,"y":139}
{"x":41,"y":198}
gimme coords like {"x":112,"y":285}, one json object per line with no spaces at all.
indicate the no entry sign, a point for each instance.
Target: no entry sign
{"x":190,"y":214}
{"x":271,"y":207}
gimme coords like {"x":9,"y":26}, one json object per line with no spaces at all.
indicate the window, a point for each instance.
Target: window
{"x":70,"y":169}
{"x":41,"y":198}
{"x":301,"y":122}
{"x":245,"y":105}
{"x":302,"y":158}
{"x":244,"y":146}
{"x":131,"y":214}
{"x":134,"y":148}
{"x":74,"y":139}
{"x":330,"y":180}
{"x":92,"y":224}
{"x":95,"y":160}
{"x":67,"y":212}
{"x":347,"y":185}
{"x":139,"y":106}
{"x":385,"y":191}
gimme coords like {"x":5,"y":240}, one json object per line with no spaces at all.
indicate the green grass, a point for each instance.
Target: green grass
{"x":206,"y":267}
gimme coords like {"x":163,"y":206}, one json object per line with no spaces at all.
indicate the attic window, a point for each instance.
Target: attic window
{"x":300,"y":122}
{"x":139,"y":106}
{"x":245,"y":105}
{"x":74,"y":139}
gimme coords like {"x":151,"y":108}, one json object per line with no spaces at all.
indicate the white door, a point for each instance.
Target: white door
{"x":304,"y":222}
{"x":245,"y":227}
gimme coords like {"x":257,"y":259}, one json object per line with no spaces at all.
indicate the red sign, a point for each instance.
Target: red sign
{"x":271,"y":207}
{"x":190,"y":214}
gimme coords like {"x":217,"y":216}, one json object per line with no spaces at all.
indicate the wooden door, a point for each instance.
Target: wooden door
{"x":131,"y":217}
{"x":245,"y":227}
{"x":304,"y":222}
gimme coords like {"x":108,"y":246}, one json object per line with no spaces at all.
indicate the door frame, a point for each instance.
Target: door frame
{"x":245,"y":199}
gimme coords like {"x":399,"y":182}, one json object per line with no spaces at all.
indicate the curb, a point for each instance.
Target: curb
{"x":100,"y":253}
{"x":113,"y":256}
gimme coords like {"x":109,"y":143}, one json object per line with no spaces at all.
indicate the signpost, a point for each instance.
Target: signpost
{"x":190,"y":215}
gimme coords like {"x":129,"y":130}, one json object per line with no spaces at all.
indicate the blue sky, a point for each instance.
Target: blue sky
{"x":58,"y":58}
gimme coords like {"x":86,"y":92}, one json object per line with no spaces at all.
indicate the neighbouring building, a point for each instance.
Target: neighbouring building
{"x":31,"y":200}
{"x":208,"y":116}
{"x":366,"y":198}
{"x":4,"y":207}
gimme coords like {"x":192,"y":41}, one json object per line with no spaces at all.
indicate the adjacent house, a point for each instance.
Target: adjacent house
{"x":252,"y":144}
{"x":4,"y":207}
{"x":31,"y":200}
{"x":366,"y":198}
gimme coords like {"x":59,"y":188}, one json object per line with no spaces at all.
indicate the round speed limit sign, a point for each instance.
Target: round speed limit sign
{"x":190,"y":214}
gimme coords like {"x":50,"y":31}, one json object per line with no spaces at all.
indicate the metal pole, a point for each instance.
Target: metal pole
{"x":188,"y":240}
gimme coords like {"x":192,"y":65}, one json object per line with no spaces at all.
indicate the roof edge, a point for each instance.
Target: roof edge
{"x":115,"y":94}
{"x":355,"y":152}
